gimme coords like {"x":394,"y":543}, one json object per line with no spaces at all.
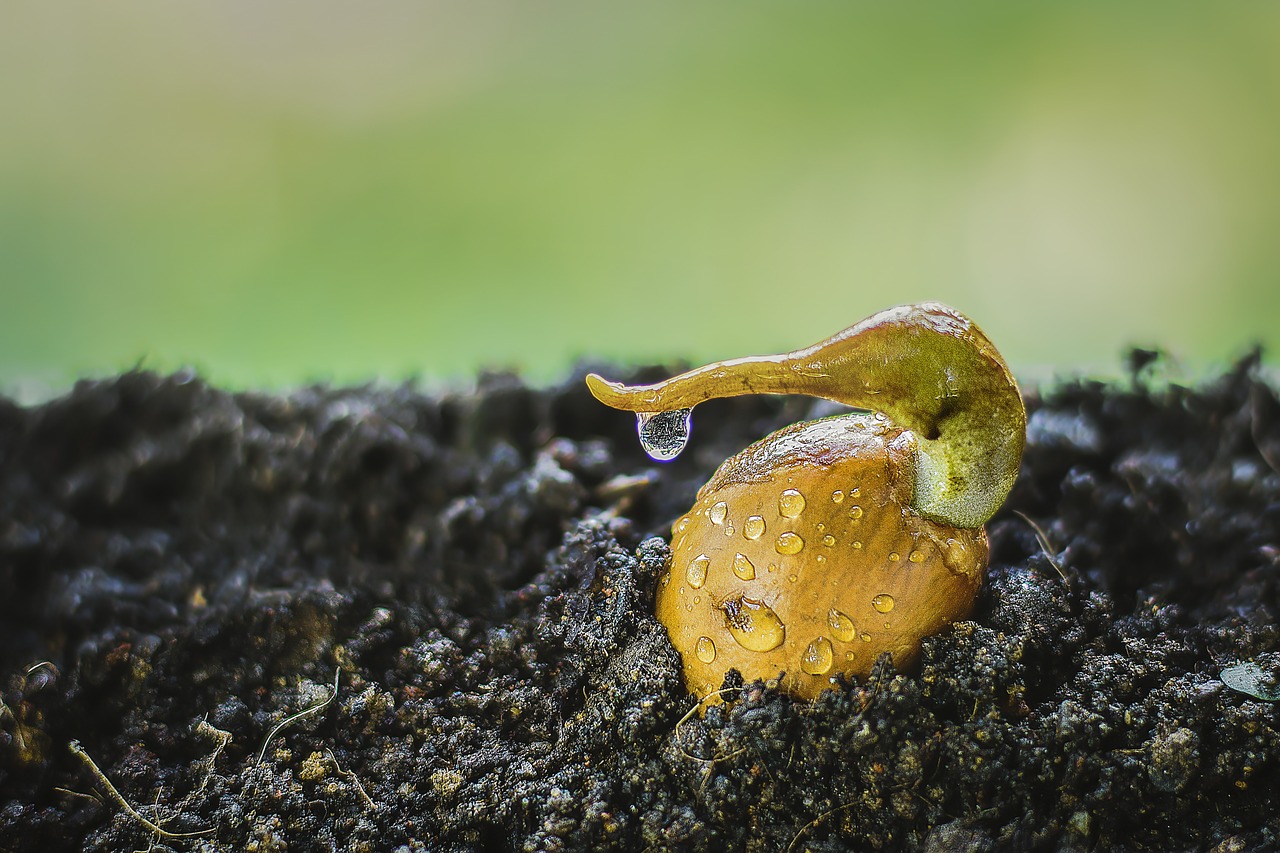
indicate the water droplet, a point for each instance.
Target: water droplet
{"x":894,"y":556}
{"x":837,"y":496}
{"x":848,"y":655}
{"x":773,"y":567}
{"x":821,"y":527}
{"x":854,"y":492}
{"x":664,"y":434}
{"x":718,"y":512}
{"x":790,"y":504}
{"x":855,"y":512}
{"x":857,"y":545}
{"x":789,"y":543}
{"x":817,"y":657}
{"x":821,"y":559}
{"x":753,"y":527}
{"x":705,"y":649}
{"x":916,"y":557}
{"x":956,"y":557}
{"x":793,"y":578}
{"x":828,"y":540}
{"x":744,"y":568}
{"x":684,"y":522}
{"x":865,"y":637}
{"x":697,"y":571}
{"x":841,"y":625}
{"x":753,"y":624}
{"x":883,"y":602}
{"x":728,"y":529}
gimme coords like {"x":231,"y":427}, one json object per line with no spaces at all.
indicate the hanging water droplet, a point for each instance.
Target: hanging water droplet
{"x":817,"y":657}
{"x":697,"y":571}
{"x":789,"y":543}
{"x":753,"y":624}
{"x":841,"y":625}
{"x":717,"y":512}
{"x":705,"y":649}
{"x":790,"y":504}
{"x":883,"y":602}
{"x":744,"y":568}
{"x":664,"y":434}
{"x":753,"y":527}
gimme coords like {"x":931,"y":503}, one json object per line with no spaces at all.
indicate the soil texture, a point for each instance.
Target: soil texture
{"x":186,"y":574}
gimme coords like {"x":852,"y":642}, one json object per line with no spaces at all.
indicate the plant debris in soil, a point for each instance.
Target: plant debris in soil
{"x":370,"y":619}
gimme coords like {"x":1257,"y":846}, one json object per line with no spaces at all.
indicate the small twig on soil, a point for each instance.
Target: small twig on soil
{"x":79,"y":752}
{"x":1045,"y":546}
{"x":70,"y":793}
{"x":207,"y":730}
{"x":687,"y":717}
{"x":348,"y":774}
{"x":817,"y":820}
{"x":337,"y":673}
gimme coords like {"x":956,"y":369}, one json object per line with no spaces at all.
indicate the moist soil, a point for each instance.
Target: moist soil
{"x":187,"y":573}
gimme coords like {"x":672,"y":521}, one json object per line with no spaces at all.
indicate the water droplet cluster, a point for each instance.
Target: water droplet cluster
{"x":802,"y":574}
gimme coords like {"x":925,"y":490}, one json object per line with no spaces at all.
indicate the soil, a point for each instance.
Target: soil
{"x":187,"y":573}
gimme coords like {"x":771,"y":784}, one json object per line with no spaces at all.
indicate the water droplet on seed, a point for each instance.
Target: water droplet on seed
{"x":789,"y":543}
{"x":684,"y":522}
{"x":818,"y":657}
{"x":664,"y":434}
{"x":837,"y":496}
{"x":828,"y":540}
{"x":705,"y":649}
{"x":697,"y":571}
{"x":743,"y":568}
{"x":883,"y":602}
{"x":790,"y":504}
{"x":857,"y":545}
{"x":916,"y":557}
{"x":865,"y":637}
{"x":753,"y":624}
{"x":666,"y":578}
{"x":728,"y":529}
{"x":753,"y":527}
{"x":841,"y":625}
{"x":855,"y":512}
{"x":894,"y":556}
{"x":718,"y":512}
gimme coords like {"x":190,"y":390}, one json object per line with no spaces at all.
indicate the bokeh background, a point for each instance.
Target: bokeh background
{"x":282,"y":192}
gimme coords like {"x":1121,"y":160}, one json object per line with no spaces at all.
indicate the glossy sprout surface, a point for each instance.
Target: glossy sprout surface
{"x":828,"y":543}
{"x":927,"y":367}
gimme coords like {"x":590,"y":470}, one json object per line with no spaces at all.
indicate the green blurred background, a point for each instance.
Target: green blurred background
{"x":288,"y":191}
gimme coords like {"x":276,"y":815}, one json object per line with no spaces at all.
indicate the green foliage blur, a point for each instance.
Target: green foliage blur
{"x":303,"y":190}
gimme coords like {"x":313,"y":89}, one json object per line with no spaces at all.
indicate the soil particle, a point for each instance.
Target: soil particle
{"x":186,"y":572}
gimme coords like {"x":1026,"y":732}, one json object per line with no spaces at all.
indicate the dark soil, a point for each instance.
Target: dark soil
{"x":185,"y":570}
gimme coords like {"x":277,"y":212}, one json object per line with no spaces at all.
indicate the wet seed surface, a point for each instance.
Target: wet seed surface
{"x":184,"y":569}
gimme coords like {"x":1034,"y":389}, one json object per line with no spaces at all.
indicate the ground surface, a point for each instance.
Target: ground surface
{"x":183,"y":570}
